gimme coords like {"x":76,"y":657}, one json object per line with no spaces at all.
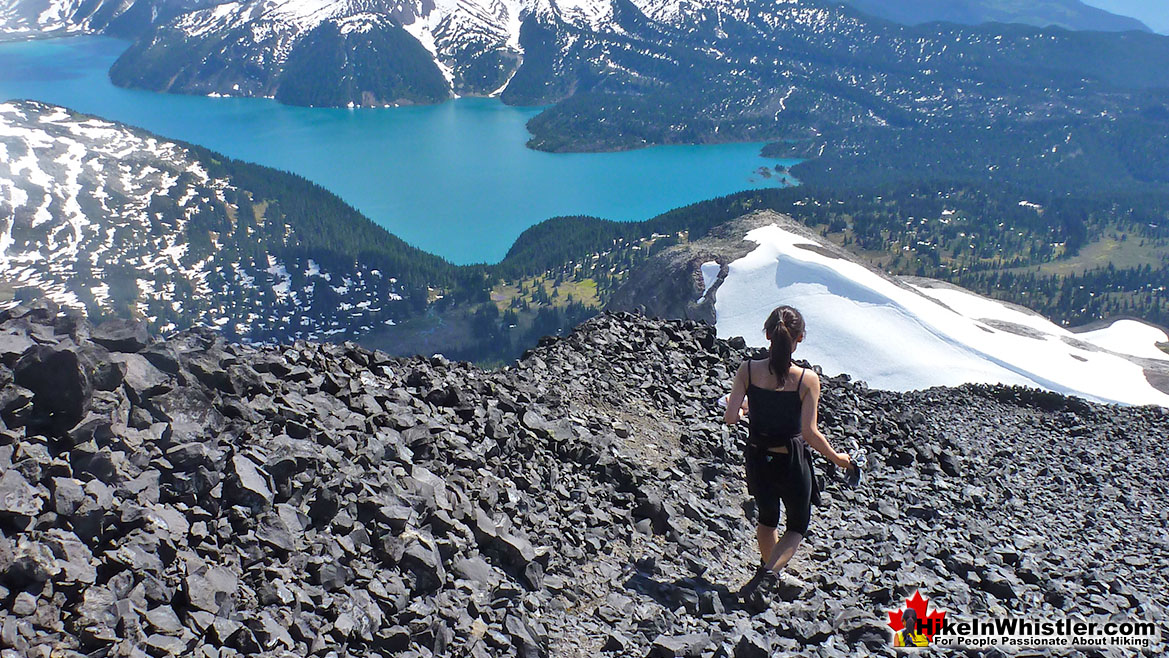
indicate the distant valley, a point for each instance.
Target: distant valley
{"x":454,"y":179}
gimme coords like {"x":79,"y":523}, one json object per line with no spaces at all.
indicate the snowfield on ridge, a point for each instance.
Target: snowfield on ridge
{"x":905,"y":335}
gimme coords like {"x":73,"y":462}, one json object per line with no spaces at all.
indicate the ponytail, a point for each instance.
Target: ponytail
{"x":784,"y":326}
{"x":779,"y":361}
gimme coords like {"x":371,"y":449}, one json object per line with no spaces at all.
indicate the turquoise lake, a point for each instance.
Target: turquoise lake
{"x":454,"y":179}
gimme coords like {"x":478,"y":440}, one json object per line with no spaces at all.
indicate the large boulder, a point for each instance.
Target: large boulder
{"x":17,"y":496}
{"x":61,"y":379}
{"x":119,"y":335}
{"x":246,"y":484}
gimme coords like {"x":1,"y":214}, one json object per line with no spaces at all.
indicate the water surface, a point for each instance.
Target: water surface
{"x":454,"y":179}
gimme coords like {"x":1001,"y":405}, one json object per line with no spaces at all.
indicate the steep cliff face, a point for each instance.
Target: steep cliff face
{"x":683,"y":281}
{"x":188,"y":496}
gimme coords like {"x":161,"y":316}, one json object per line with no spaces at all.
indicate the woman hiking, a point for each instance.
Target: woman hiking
{"x":782,"y":399}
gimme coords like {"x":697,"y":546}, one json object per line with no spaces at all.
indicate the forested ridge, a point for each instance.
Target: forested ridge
{"x":1072,"y":246}
{"x":1078,"y":233}
{"x":326,"y":226}
{"x":1074,"y":258}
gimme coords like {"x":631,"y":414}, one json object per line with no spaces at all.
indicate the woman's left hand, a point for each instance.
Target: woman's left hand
{"x":842,"y":460}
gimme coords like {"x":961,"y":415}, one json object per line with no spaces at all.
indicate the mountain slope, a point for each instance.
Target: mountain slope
{"x":24,"y":19}
{"x":626,"y":73}
{"x":1069,"y":14}
{"x":899,"y":333}
{"x":1152,"y":14}
{"x":267,"y":48}
{"x":208,"y":499}
{"x":116,"y":221}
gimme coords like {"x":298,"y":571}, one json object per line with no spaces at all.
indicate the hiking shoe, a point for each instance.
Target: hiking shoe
{"x":768,"y":586}
{"x":788,"y":579}
{"x":762,"y":574}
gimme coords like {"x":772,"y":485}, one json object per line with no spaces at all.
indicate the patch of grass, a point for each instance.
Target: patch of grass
{"x":1121,"y":253}
{"x":533,"y":291}
{"x":583,"y":291}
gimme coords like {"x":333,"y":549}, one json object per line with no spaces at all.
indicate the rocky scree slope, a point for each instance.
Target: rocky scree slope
{"x":190,"y":497}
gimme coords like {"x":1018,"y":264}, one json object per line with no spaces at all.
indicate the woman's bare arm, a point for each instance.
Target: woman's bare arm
{"x":809,"y":417}
{"x":738,"y":394}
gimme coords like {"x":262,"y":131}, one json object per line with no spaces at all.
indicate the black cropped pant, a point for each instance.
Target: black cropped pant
{"x":775,"y":477}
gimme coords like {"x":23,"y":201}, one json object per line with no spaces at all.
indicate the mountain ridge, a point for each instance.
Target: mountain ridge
{"x":730,"y":275}
{"x":1068,"y":14}
{"x":35,"y":19}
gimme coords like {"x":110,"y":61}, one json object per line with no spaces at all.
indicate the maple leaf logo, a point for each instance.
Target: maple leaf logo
{"x":929,"y":623}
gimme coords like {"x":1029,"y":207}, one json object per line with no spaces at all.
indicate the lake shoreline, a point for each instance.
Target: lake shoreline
{"x":456,"y":179}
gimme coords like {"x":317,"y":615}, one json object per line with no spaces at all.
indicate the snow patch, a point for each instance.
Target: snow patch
{"x":710,"y":270}
{"x":900,"y":337}
{"x":1129,"y":337}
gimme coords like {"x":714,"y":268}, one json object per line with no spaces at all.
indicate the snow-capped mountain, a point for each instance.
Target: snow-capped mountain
{"x":896,"y":333}
{"x":427,"y":49}
{"x":431,"y":49}
{"x":625,"y":73}
{"x":24,"y":19}
{"x":115,"y":221}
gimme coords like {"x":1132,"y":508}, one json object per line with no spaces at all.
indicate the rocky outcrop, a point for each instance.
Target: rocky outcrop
{"x":671,"y":284}
{"x":191,"y":497}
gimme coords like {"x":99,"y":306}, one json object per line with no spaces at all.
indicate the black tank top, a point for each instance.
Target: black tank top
{"x":775,"y":415}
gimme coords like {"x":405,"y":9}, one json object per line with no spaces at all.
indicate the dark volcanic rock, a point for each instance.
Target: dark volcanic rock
{"x":246,"y":484}
{"x":186,"y":497}
{"x":61,"y":379}
{"x":120,"y":335}
{"x":212,"y":589}
{"x":12,"y":346}
{"x":17,"y":496}
{"x":677,"y":646}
